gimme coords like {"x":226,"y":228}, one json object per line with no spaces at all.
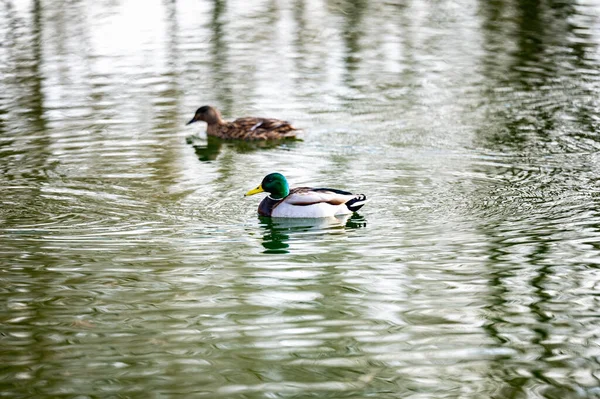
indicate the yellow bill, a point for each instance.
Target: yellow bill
{"x":256,"y":190}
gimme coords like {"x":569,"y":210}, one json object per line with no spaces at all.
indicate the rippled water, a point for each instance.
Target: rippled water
{"x":133,"y":267}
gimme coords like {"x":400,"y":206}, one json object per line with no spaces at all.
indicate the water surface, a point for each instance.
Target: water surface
{"x":133,"y":267}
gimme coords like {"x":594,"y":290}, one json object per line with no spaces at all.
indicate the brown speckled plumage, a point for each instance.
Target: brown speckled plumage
{"x":243,"y":128}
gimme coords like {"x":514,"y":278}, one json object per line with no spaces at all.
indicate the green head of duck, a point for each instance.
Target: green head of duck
{"x":275,"y":184}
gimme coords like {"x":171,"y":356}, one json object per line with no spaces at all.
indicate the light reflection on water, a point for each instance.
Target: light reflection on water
{"x":132,"y":265}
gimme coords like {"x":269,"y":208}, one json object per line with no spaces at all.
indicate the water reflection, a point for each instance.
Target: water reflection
{"x":553,"y":55}
{"x":278,"y":232}
{"x":209,"y":149}
{"x":353,"y":12}
{"x":220,"y":58}
{"x":528,"y":86}
{"x":475,"y":127}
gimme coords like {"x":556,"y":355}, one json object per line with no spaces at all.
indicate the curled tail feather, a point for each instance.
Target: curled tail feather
{"x":357,"y":202}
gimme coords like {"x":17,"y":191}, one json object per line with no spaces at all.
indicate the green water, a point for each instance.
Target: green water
{"x":132,"y":266}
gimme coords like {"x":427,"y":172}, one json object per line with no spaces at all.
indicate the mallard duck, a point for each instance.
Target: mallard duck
{"x":304,"y":202}
{"x":243,"y":128}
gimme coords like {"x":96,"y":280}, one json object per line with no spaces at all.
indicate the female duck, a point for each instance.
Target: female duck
{"x":304,"y":202}
{"x":243,"y":128}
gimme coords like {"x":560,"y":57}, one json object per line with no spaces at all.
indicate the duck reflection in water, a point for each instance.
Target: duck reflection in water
{"x":278,"y":232}
{"x":210,"y":150}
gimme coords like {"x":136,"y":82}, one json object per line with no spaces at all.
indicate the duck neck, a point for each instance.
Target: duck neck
{"x":214,"y":118}
{"x":281,"y":192}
